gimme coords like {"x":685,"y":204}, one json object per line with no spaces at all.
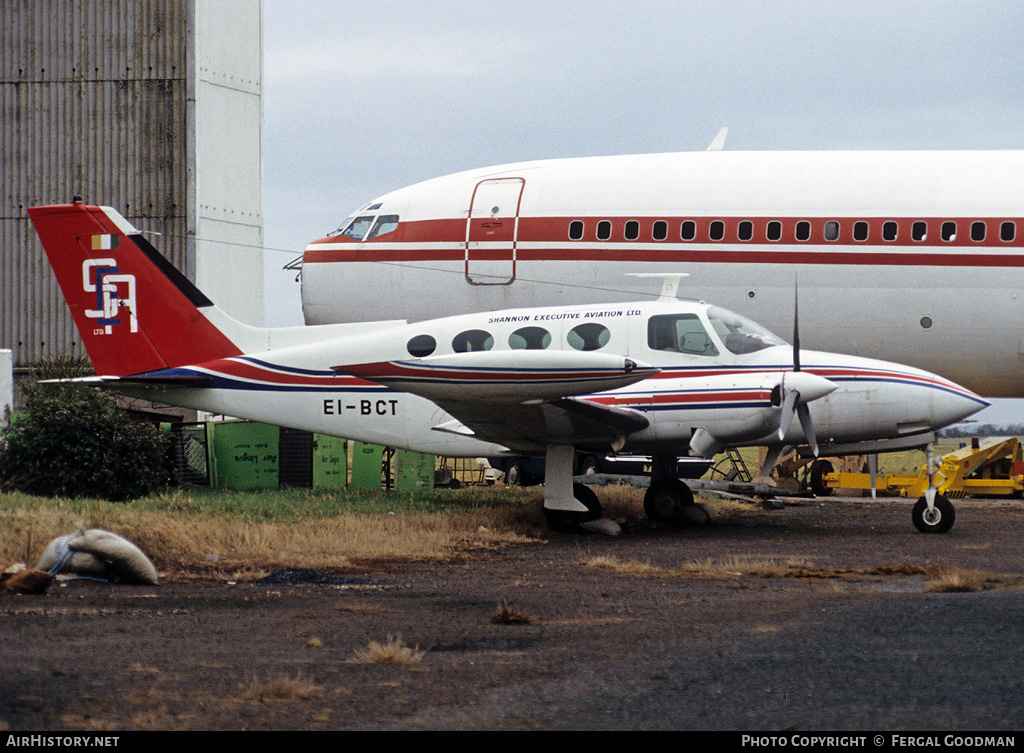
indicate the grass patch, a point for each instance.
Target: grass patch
{"x":280,"y":688}
{"x":506,"y":614}
{"x":391,"y":651}
{"x":234,"y":534}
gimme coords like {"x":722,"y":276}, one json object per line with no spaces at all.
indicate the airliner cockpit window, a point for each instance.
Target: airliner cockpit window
{"x":384,"y":224}
{"x":679,"y":333}
{"x":739,"y":334}
{"x":358,"y":227}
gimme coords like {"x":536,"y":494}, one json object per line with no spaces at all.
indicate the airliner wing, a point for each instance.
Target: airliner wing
{"x":524,"y":400}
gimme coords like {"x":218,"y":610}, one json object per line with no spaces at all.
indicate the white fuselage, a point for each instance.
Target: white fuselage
{"x":912,"y":257}
{"x":726,"y":393}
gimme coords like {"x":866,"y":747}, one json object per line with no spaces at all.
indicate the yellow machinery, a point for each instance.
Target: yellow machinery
{"x":990,"y":468}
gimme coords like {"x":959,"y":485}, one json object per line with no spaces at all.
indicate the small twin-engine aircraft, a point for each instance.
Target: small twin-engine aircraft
{"x":661,"y":378}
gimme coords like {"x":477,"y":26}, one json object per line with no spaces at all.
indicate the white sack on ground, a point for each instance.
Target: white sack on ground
{"x":99,"y":554}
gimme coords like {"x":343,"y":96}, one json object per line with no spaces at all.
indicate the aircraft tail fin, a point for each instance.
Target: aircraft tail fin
{"x":134,"y":310}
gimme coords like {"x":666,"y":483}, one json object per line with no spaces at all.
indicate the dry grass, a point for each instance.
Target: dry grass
{"x":506,"y":614}
{"x":198,"y":542}
{"x":391,"y":651}
{"x":953,"y":581}
{"x":280,"y":688}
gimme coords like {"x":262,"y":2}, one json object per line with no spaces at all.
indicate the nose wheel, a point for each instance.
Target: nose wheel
{"x":938,"y":518}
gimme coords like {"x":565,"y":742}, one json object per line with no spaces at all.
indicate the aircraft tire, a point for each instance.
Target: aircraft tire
{"x":941,"y":518}
{"x":566,"y":521}
{"x":666,"y":500}
{"x":819,"y":469}
{"x":514,"y":473}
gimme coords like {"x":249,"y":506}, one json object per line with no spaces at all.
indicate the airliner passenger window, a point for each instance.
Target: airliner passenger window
{"x":745,"y":231}
{"x":774,"y":230}
{"x":1007,"y":231}
{"x":529,"y":338}
{"x":688,"y":230}
{"x":860,"y":231}
{"x":948,"y":231}
{"x":717,"y":230}
{"x":604,"y":230}
{"x":575,"y":230}
{"x":358,"y":227}
{"x":919,"y":230}
{"x":660,"y":230}
{"x":803,"y":230}
{"x":977,"y":231}
{"x":632,"y":230}
{"x":831,"y":230}
{"x":679,"y":333}
{"x":589,"y":336}
{"x":385,"y":224}
{"x":889,"y":231}
{"x":472,"y":340}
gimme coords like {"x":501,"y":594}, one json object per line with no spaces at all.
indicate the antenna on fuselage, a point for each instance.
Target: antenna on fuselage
{"x":718,"y":143}
{"x":669,"y":283}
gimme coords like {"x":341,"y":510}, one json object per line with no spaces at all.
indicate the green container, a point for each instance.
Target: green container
{"x":330,"y":462}
{"x":414,"y":471}
{"x":244,"y":454}
{"x":366,"y":465}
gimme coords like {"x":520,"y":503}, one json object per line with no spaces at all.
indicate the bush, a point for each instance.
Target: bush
{"x":74,"y":441}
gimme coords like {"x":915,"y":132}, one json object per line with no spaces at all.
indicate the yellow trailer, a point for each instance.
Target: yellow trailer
{"x":991,"y":468}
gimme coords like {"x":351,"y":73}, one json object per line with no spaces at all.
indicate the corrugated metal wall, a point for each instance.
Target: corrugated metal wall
{"x":92,"y":102}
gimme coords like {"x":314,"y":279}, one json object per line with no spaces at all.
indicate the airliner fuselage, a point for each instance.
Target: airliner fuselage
{"x":914,"y":257}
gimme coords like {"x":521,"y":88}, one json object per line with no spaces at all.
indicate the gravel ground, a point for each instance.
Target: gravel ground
{"x":857,"y":643}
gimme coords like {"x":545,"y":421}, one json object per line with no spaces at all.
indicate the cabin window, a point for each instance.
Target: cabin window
{"x":358,"y":227}
{"x":977,"y":231}
{"x":739,"y":334}
{"x":688,"y":230}
{"x":774,"y":230}
{"x":472,"y":340}
{"x":1007,"y":231}
{"x":421,"y":346}
{"x":529,"y":338}
{"x":604,"y":230}
{"x":948,"y":232}
{"x":660,"y":230}
{"x":860,"y":231}
{"x":679,"y":333}
{"x":803,"y":230}
{"x":717,"y":230}
{"x":575,"y":230}
{"x":890,"y":231}
{"x":919,"y":230}
{"x":385,"y":224}
{"x":632,"y":230}
{"x":589,"y":336}
{"x":745,"y":231}
{"x":831,"y":230}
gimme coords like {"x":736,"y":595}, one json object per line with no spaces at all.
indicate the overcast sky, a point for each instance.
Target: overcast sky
{"x":361,"y":98}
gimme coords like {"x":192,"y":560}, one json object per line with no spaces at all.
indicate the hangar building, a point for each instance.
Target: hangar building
{"x":152,"y":107}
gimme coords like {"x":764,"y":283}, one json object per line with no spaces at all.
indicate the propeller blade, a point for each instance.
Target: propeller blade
{"x":796,"y":327}
{"x":804,"y":414}
{"x":788,"y":408}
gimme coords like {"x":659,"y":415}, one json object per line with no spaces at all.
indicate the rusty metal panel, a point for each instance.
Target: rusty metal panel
{"x":92,"y":102}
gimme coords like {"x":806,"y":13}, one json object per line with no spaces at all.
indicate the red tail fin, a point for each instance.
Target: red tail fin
{"x":135,"y":312}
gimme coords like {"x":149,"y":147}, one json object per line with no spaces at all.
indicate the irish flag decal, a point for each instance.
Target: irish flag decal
{"x":104,"y":242}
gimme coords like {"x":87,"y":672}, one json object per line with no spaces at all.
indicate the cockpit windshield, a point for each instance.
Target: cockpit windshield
{"x":739,"y":334}
{"x":366,"y":226}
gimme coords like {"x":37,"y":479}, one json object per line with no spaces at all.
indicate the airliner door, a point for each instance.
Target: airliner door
{"x":491,"y":231}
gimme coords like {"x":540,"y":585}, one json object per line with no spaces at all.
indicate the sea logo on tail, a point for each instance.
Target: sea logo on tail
{"x":113,"y":291}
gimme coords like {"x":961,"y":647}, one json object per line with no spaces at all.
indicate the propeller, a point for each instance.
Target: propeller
{"x":798,"y":388}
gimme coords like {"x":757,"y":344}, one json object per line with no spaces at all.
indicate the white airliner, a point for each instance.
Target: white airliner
{"x":659,"y":378}
{"x":914,"y":257}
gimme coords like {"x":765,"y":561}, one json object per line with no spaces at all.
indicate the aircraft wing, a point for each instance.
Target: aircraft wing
{"x":524,"y":400}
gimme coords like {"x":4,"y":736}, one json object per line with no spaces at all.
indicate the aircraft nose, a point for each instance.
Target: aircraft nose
{"x":955,"y":404}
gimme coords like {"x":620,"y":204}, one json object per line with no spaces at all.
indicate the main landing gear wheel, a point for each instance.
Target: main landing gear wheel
{"x":820,"y":469}
{"x":567,"y":521}
{"x":671,"y":501}
{"x":937,"y":520}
